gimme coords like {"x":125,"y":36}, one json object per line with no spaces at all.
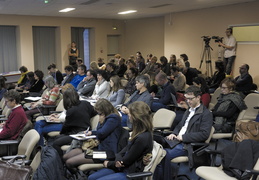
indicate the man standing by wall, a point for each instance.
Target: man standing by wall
{"x":229,"y":45}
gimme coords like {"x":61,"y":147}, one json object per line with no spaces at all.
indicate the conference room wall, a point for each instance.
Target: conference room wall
{"x":100,"y":28}
{"x":184,"y":34}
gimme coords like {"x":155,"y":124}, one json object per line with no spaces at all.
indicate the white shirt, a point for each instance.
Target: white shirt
{"x":184,"y":128}
{"x":230,"y":41}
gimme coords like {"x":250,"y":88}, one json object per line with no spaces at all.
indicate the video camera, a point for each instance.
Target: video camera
{"x":217,"y":39}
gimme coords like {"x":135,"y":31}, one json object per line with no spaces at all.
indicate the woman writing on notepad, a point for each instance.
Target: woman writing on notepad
{"x":108,"y":132}
{"x":130,"y":158}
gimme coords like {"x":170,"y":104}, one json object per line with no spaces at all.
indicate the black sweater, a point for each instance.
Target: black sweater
{"x":78,"y":118}
{"x":132,"y":154}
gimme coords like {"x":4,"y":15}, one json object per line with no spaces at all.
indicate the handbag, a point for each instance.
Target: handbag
{"x":90,"y":144}
{"x":246,"y":130}
{"x":9,"y":170}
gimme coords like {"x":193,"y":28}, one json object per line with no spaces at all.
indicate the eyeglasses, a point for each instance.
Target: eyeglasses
{"x":190,"y":98}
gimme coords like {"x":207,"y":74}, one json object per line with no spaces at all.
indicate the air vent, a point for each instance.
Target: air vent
{"x":161,"y":5}
{"x":89,"y":2}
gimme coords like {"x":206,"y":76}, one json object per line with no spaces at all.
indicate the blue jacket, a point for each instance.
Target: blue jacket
{"x":108,"y":133}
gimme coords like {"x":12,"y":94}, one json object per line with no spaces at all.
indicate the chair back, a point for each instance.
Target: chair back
{"x":36,"y":162}
{"x":163,"y":118}
{"x":210,"y":136}
{"x":158,"y":153}
{"x":60,"y":106}
{"x":28,"y":143}
{"x":28,"y":126}
{"x":60,"y":98}
{"x":2,"y":103}
{"x":251,"y":101}
{"x":6,"y":111}
{"x":214,"y":98}
{"x":94,"y":121}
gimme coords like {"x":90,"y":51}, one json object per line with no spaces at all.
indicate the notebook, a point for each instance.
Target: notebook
{"x":82,"y":137}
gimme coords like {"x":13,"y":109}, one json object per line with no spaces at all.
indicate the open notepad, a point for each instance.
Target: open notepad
{"x":82,"y":137}
{"x":99,"y":155}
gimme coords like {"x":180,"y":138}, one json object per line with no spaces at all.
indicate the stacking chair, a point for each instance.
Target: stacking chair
{"x":216,"y":173}
{"x":163,"y":119}
{"x":26,"y":145}
{"x":158,"y":153}
{"x":214,"y":98}
{"x":183,"y":159}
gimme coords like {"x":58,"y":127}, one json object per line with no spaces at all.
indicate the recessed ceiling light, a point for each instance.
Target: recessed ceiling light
{"x":127,"y":12}
{"x":67,"y":9}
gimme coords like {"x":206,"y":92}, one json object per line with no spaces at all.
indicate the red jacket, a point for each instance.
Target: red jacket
{"x":14,"y":125}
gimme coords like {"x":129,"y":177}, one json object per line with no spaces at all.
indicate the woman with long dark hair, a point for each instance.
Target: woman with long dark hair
{"x":130,"y":158}
{"x":108,"y":132}
{"x":78,"y":115}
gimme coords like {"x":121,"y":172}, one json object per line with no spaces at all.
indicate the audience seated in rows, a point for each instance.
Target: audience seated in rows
{"x":178,"y":78}
{"x":205,"y":96}
{"x":36,"y":88}
{"x":87,"y":85}
{"x":55,"y":73}
{"x":185,"y":59}
{"x":108,"y":132}
{"x":22,"y":80}
{"x":78,"y":115}
{"x":195,"y":126}
{"x":57,"y":120}
{"x":81,"y":70}
{"x":17,"y":119}
{"x":164,"y":98}
{"x":50,"y":97}
{"x":69,"y":75}
{"x":228,"y":107}
{"x":132,"y":73}
{"x":217,"y":77}
{"x":30,"y":80}
{"x":117,"y":94}
{"x":244,"y":82}
{"x":2,"y":86}
{"x":130,"y":158}
{"x":165,"y":66}
{"x":102,"y":87}
{"x":122,"y":67}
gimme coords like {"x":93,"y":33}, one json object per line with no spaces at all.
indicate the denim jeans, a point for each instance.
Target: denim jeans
{"x":107,"y":174}
{"x":229,"y":63}
{"x":43,"y":127}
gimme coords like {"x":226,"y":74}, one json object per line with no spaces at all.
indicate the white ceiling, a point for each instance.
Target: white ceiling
{"x":108,"y":9}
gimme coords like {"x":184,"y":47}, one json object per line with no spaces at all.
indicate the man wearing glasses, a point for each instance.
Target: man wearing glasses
{"x":195,"y":126}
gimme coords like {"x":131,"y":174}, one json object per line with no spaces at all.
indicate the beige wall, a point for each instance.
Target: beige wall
{"x":102,"y":28}
{"x":144,"y":35}
{"x":184,"y":35}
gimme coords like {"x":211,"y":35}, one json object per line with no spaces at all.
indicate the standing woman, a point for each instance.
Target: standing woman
{"x":73,"y":54}
{"x":117,"y":94}
{"x":78,"y":115}
{"x":108,"y":132}
{"x":130,"y":158}
{"x":102,"y":87}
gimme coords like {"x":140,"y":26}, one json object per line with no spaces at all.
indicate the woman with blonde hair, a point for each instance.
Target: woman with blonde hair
{"x":94,"y":66}
{"x":130,"y":158}
{"x":117,"y":94}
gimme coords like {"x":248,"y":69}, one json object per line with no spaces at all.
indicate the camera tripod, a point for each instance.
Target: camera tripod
{"x":206,"y":56}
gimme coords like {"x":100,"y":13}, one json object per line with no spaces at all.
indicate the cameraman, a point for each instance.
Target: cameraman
{"x":230,"y":50}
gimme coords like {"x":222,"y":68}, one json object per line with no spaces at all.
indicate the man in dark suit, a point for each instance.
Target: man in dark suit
{"x":69,"y":75}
